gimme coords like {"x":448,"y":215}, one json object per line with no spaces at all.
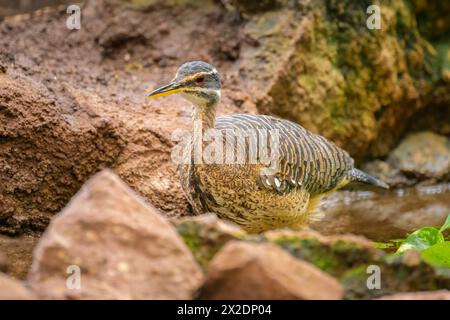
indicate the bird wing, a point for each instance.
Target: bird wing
{"x":304,"y":159}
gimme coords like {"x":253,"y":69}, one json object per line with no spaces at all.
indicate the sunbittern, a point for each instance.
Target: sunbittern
{"x":308,"y":165}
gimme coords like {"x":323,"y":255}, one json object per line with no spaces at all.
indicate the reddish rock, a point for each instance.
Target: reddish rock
{"x":123,"y":247}
{"x":19,"y":254}
{"x":244,"y":270}
{"x":11,"y":289}
{"x":420,"y":295}
{"x":46,"y":154}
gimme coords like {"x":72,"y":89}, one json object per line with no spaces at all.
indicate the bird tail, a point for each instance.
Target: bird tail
{"x":360,"y":176}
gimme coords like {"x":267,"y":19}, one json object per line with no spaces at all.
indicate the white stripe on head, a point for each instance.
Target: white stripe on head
{"x":217,"y":91}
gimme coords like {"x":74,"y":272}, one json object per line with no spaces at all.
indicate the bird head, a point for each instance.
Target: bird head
{"x":196,"y":81}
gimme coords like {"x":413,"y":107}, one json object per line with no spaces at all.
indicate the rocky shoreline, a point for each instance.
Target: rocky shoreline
{"x":123,"y":248}
{"x":87,"y":181}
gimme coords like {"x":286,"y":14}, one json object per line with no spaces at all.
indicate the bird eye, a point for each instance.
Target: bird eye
{"x":200,"y":79}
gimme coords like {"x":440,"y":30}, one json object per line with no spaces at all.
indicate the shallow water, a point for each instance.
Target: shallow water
{"x":384,"y":215}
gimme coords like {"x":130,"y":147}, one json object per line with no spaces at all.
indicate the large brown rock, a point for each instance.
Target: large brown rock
{"x":243,"y":270}
{"x":11,"y":289}
{"x":46,"y":153}
{"x":122,"y":246}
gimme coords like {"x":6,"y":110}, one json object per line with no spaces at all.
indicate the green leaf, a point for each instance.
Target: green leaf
{"x":383,"y":245}
{"x":421,"y":239}
{"x":446,"y":224}
{"x":438,"y":255}
{"x":397,"y":240}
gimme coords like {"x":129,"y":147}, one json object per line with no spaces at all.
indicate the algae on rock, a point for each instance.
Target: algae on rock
{"x":336,"y":77}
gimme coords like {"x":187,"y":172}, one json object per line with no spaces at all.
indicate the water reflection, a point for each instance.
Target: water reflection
{"x":384,"y":215}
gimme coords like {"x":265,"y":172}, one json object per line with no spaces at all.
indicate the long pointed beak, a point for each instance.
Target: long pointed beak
{"x":170,"y":88}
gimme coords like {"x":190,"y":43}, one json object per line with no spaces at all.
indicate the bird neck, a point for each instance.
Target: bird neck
{"x":204,"y":117}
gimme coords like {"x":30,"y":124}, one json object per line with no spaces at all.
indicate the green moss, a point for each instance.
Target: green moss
{"x":432,"y":18}
{"x":344,"y":260}
{"x":190,"y":236}
{"x":201,"y":248}
{"x":329,"y":258}
{"x":323,"y":68}
{"x":443,"y":56}
{"x":307,"y":81}
{"x":204,"y":238}
{"x":359,"y":272}
{"x":347,"y":72}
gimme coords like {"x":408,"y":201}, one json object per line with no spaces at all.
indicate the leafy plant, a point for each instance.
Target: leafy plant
{"x":421,"y":239}
{"x":429,"y":241}
{"x":446,"y":224}
{"x":439,"y":254}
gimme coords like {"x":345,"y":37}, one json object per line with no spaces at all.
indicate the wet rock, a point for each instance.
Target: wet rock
{"x":263,"y":271}
{"x":352,"y":260}
{"x":121,"y":247}
{"x":11,"y":289}
{"x":425,"y":295}
{"x":423,"y":155}
{"x":206,"y":234}
{"x":389,"y":174}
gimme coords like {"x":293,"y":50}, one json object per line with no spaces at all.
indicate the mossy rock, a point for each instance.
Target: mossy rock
{"x":334,"y":255}
{"x":345,"y":257}
{"x":432,"y":17}
{"x":348,"y":258}
{"x":317,"y":63}
{"x":205,"y":235}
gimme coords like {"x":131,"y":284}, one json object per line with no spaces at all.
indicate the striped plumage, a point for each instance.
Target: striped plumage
{"x":309,"y":165}
{"x":305,"y":159}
